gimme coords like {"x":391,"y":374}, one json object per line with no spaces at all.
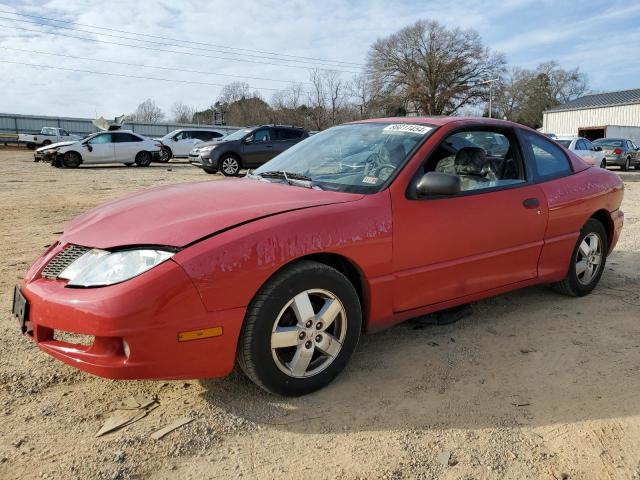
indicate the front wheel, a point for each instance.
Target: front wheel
{"x":587,"y":261}
{"x":300,"y":329}
{"x":71,"y":160}
{"x":229,"y":165}
{"x":143,"y":159}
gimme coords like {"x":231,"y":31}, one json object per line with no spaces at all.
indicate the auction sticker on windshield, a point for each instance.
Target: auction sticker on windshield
{"x":406,"y":128}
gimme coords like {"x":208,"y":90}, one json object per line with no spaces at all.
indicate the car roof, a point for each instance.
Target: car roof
{"x":444,"y":120}
{"x":567,"y":138}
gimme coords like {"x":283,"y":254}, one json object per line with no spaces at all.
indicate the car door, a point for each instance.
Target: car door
{"x":99,"y":149}
{"x":596,"y":155}
{"x":126,"y":146}
{"x":633,"y":152}
{"x":183,"y":142}
{"x":487,"y":236}
{"x":286,"y":138}
{"x":258,"y":148}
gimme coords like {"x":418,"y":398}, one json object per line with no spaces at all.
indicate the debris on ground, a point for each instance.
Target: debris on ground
{"x":129,"y":411}
{"x":157,"y":435}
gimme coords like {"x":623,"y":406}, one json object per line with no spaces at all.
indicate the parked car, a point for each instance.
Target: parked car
{"x":590,"y":153}
{"x":282,"y":270}
{"x":121,"y":146}
{"x":47,"y":136}
{"x":180,"y":142}
{"x":246,"y":148}
{"x":620,"y":151}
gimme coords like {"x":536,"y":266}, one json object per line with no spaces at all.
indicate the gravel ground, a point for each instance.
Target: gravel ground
{"x":532,"y":385}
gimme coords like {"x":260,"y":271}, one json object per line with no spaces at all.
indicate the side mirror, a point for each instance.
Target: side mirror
{"x":597,"y":148}
{"x":437,"y":183}
{"x":88,"y":146}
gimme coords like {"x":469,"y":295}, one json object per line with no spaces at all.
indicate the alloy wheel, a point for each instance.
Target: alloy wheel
{"x":588,"y":258}
{"x":308,"y":333}
{"x":230,"y":166}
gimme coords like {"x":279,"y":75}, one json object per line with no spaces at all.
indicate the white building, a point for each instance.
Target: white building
{"x":613,"y":114}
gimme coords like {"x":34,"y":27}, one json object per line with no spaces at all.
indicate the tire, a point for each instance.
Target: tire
{"x":143,"y":159}
{"x":627,"y":165}
{"x":229,"y":165}
{"x":603,"y":163}
{"x":580,"y":283}
{"x":312,"y":353}
{"x":128,"y":164}
{"x":71,"y":160}
{"x":46,"y":142}
{"x":210,"y":172}
{"x":165,"y":155}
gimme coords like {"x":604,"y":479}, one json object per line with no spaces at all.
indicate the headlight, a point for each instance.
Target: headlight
{"x":99,"y":268}
{"x":208,"y":149}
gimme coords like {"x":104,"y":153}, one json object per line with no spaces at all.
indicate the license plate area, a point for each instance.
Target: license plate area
{"x":21,"y":310}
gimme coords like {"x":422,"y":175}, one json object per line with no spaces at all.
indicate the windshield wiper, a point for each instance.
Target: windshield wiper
{"x":292,"y":178}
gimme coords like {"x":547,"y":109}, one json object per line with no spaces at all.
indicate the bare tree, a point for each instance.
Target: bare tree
{"x":182,"y":113}
{"x":147,"y":111}
{"x":524,"y":95}
{"x":287,"y":105}
{"x":432,"y":70}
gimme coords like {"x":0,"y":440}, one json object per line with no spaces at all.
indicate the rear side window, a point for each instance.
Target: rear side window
{"x":288,"y":134}
{"x":124,"y":137}
{"x":581,"y":145}
{"x":549,"y":160}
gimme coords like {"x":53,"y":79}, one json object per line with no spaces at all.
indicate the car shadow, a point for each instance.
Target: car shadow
{"x":530,"y":357}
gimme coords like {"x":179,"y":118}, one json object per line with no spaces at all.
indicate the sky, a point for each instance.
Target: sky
{"x":602,"y":38}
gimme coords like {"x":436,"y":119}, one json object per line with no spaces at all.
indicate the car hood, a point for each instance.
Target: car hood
{"x":181,"y":214}
{"x":57,"y":145}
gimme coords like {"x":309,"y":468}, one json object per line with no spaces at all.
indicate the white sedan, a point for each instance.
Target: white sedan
{"x":122,"y":146}
{"x":590,"y":153}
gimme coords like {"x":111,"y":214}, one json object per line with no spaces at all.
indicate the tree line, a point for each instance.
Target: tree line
{"x":423,"y":69}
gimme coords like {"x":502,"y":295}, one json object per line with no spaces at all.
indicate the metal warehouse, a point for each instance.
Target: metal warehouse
{"x":613,"y":114}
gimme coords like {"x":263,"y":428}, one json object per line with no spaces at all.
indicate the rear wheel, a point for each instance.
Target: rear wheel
{"x":627,"y":165}
{"x":603,"y":163}
{"x":587,"y":261}
{"x":71,"y":160}
{"x":300,"y":329}
{"x":143,"y":159}
{"x":46,"y":142}
{"x":229,"y":165}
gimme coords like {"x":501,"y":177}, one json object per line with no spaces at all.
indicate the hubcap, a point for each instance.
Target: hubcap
{"x":588,"y":258}
{"x":309,"y":333}
{"x":230,"y":166}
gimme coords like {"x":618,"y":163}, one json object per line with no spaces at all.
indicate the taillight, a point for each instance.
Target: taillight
{"x":617,"y":151}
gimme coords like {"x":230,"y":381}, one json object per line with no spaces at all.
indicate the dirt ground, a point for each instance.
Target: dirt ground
{"x":533,"y":385}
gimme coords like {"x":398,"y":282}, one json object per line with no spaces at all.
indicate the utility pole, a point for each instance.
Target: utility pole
{"x":490,"y":82}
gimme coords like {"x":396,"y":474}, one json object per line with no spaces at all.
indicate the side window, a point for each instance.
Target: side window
{"x":482,"y":159}
{"x":588,"y":145}
{"x":580,"y":145}
{"x":204,"y":136}
{"x":48,"y":131}
{"x":548,"y":159}
{"x":288,"y":134}
{"x":183,"y":135}
{"x":103,"y":138}
{"x":124,"y":138}
{"x":262,"y":135}
{"x":64,"y":133}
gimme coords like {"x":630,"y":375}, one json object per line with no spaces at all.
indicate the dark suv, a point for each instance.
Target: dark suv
{"x":246,"y":148}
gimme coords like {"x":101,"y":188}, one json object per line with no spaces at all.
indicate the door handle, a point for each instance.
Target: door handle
{"x":531,"y":203}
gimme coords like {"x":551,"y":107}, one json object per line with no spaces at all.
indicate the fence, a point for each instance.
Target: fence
{"x":12,"y":123}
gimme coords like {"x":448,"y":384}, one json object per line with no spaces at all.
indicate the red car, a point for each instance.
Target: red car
{"x":353,"y":230}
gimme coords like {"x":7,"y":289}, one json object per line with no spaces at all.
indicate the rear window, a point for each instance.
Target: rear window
{"x":604,"y":142}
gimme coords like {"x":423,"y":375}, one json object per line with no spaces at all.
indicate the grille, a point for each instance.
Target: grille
{"x":62,"y":260}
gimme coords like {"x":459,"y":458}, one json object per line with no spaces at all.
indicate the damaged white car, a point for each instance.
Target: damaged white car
{"x":121,"y":146}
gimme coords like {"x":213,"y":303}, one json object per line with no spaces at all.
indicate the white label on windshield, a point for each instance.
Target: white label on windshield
{"x":406,"y":127}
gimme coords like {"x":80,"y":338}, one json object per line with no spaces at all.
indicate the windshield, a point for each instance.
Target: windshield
{"x":605,"y":142}
{"x":564,"y":143}
{"x":238,"y":134}
{"x":357,"y":158}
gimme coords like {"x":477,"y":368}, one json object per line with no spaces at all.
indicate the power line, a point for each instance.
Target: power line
{"x":182,"y":40}
{"x":139,"y":77}
{"x":183,"y":70}
{"x":166,"y":51}
{"x":29,"y":22}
